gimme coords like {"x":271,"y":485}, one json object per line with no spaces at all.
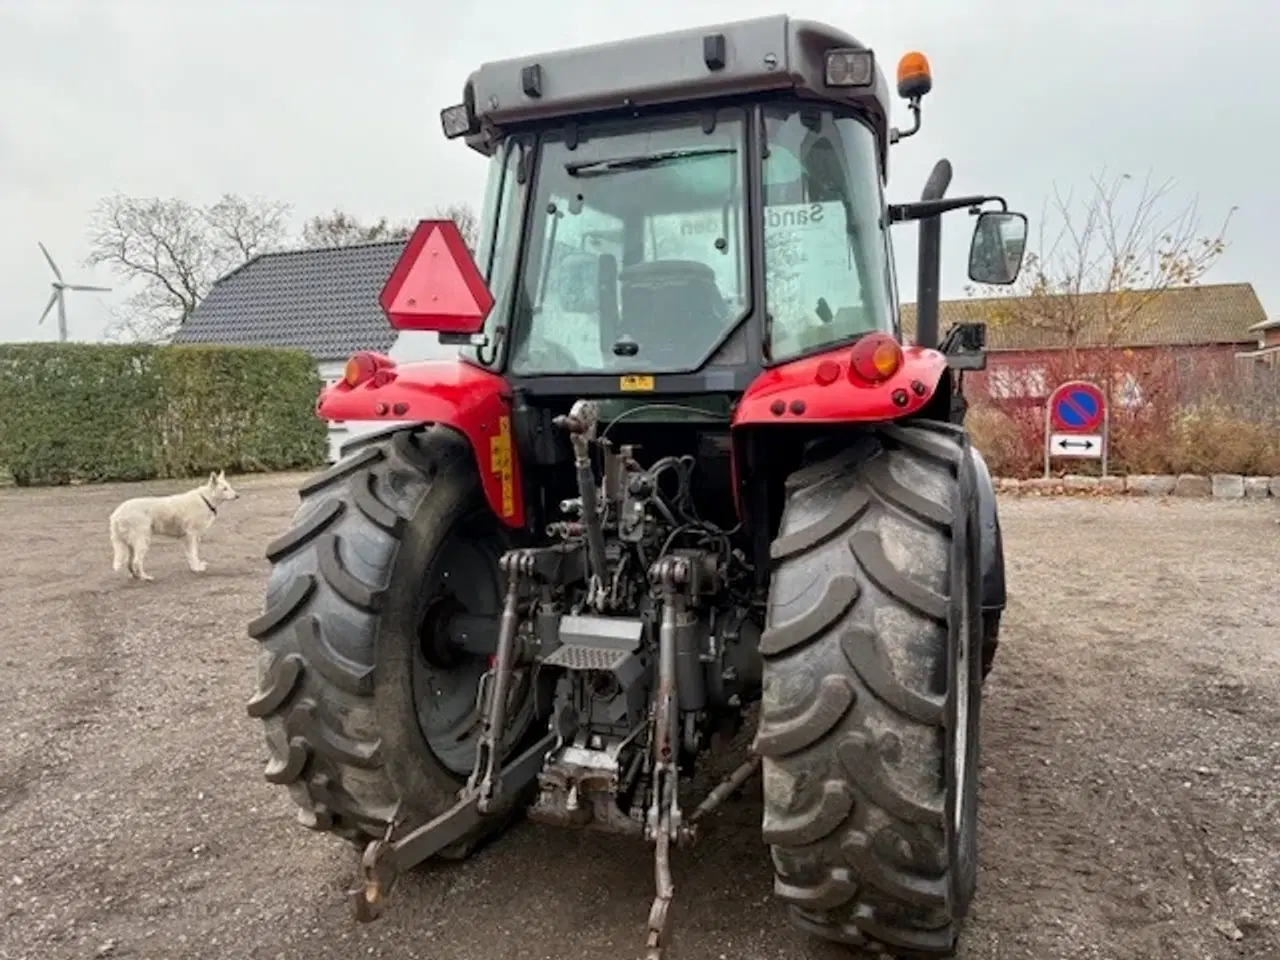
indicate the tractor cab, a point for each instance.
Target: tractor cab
{"x":638,"y":248}
{"x":687,"y":209}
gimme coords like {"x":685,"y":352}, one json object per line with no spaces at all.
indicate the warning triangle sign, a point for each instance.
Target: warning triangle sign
{"x":436,"y":284}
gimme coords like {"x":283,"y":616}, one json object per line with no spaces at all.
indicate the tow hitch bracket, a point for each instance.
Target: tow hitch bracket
{"x":385,"y":860}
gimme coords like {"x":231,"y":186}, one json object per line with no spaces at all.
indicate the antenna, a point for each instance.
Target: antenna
{"x":60,"y":287}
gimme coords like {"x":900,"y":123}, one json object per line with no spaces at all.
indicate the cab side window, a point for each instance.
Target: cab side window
{"x":825,"y":246}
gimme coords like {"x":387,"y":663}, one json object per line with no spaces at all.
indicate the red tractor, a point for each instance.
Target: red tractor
{"x":683,"y":466}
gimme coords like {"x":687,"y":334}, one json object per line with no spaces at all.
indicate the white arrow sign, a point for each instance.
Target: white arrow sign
{"x":1075,"y":445}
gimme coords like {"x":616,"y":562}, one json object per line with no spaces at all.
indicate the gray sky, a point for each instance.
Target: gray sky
{"x":327,"y":103}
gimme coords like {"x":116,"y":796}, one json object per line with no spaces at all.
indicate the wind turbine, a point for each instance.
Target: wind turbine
{"x":60,"y":287}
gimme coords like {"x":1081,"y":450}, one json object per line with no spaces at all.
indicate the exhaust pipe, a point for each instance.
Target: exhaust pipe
{"x":929,"y":272}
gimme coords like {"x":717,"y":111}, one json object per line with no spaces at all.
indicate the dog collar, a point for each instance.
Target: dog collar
{"x":212,"y":508}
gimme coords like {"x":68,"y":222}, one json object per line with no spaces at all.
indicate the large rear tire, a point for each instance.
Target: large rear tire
{"x":360,"y":726}
{"x":872,"y":684}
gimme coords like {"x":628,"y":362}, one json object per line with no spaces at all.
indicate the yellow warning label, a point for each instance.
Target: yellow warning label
{"x":635,"y":383}
{"x":500,"y":464}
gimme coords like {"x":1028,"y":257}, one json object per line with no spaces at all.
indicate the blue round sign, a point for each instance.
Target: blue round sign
{"x":1077,"y":407}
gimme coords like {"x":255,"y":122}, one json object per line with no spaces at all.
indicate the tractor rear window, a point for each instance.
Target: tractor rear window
{"x":636,"y":261}
{"x":826,"y":267}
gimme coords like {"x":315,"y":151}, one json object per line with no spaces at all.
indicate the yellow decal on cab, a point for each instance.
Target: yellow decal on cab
{"x":635,"y":383}
{"x":500,"y":464}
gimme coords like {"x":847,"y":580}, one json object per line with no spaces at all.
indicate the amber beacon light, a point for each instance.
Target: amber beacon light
{"x":914,"y":76}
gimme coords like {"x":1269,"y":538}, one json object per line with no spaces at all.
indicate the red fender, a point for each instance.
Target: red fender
{"x":819,"y":389}
{"x":451,"y":393}
{"x":823,"y":389}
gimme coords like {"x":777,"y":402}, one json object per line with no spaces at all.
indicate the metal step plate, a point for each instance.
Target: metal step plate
{"x":576,"y":656}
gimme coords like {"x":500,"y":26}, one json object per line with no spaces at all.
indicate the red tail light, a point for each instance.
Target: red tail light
{"x":875,"y":358}
{"x":366,"y":366}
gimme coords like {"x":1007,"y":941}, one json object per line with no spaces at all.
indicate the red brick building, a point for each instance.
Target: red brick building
{"x":1195,"y":332}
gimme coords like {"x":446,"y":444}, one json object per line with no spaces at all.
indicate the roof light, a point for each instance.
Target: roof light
{"x":850,"y":68}
{"x":531,"y":80}
{"x":914,"y":77}
{"x":456,"y":121}
{"x":875,"y":358}
{"x":714,"y":51}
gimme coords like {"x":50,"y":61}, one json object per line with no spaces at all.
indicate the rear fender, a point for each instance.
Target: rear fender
{"x":796,"y":392}
{"x":451,"y":393}
{"x":992,"y":543}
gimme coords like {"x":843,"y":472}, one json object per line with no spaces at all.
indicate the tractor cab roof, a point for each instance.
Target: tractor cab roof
{"x":776,"y":54}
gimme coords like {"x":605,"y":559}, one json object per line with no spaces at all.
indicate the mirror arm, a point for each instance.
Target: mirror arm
{"x":924,"y":209}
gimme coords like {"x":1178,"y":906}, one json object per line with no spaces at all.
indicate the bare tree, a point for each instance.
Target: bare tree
{"x":339,"y":229}
{"x":1101,"y":261}
{"x":172,"y":252}
{"x":468,"y":221}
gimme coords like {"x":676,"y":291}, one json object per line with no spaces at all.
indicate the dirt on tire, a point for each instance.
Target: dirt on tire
{"x":349,"y":577}
{"x":855,"y":677}
{"x":1131,"y":757}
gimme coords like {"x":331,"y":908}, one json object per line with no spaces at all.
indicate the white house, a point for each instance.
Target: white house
{"x":324,"y":301}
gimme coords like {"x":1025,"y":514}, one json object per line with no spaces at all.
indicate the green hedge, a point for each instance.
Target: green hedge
{"x":96,"y":412}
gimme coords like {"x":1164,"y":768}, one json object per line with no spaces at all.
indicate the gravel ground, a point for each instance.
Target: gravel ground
{"x":1131,"y":752}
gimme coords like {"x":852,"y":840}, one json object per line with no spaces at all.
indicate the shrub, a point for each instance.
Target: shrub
{"x":1210,"y":439}
{"x":1011,"y":445}
{"x":1204,"y":416}
{"x":96,"y":412}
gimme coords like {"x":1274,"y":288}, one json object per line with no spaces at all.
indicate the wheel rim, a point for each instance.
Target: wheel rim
{"x":464,"y":577}
{"x":963,"y":717}
{"x":963,"y":704}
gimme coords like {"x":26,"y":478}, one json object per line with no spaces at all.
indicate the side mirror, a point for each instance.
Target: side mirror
{"x":996,"y":251}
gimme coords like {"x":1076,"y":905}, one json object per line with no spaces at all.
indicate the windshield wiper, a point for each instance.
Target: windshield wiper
{"x":589,"y":168}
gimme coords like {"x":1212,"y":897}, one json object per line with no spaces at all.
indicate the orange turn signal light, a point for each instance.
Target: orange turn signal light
{"x":365,"y":366}
{"x":915,"y":79}
{"x":875,"y":358}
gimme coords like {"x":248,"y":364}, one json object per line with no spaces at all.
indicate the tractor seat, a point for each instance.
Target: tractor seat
{"x":672,"y":308}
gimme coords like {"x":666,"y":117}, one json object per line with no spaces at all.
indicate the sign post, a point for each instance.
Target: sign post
{"x":1077,"y":423}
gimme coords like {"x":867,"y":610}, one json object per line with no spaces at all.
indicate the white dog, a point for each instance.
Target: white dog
{"x":183,"y":516}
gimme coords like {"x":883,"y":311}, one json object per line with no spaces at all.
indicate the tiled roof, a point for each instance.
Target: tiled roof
{"x":1180,"y":316}
{"x":324,"y":301}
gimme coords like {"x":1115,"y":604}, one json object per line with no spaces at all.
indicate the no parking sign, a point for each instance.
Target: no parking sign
{"x":1076,"y":423}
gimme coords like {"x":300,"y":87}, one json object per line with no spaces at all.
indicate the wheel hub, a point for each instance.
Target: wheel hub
{"x":435,"y":640}
{"x":463,"y":581}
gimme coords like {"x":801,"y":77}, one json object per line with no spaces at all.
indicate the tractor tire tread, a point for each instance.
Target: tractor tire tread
{"x":317,"y":634}
{"x":358,"y":460}
{"x":310,"y":528}
{"x":855,"y":661}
